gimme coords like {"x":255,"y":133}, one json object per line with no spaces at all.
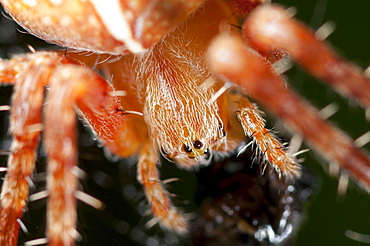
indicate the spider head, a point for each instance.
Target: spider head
{"x":183,"y":116}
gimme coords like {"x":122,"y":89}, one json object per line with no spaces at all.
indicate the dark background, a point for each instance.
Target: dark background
{"x":328,"y":216}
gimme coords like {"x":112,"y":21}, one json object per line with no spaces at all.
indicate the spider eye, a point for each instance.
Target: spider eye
{"x":187,"y":148}
{"x":197,"y":144}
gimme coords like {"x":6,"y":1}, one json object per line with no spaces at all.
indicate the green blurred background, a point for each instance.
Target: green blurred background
{"x":329,"y":216}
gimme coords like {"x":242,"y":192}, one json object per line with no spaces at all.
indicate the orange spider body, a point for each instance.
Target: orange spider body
{"x":167,"y":98}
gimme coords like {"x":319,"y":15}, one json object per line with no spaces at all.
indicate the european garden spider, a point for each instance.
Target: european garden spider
{"x":166,"y":99}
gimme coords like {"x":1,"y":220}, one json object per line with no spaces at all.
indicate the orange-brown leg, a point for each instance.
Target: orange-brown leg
{"x":230,"y":57}
{"x":71,"y":85}
{"x":272,"y":150}
{"x":163,"y":210}
{"x":25,"y":122}
{"x":270,"y":28}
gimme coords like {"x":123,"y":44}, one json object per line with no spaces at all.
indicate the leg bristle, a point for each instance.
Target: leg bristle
{"x":342,"y":183}
{"x":5,"y":107}
{"x":38,"y":196}
{"x":334,"y":169}
{"x":22,"y":226}
{"x":93,"y":202}
{"x":38,"y":241}
{"x":362,"y":140}
{"x":325,"y":30}
{"x":362,"y":238}
{"x":328,"y":111}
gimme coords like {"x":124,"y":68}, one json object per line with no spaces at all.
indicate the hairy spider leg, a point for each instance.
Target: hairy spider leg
{"x":253,"y":73}
{"x":270,"y":28}
{"x":71,"y":85}
{"x":22,"y":156}
{"x":273,"y":151}
{"x":161,"y":205}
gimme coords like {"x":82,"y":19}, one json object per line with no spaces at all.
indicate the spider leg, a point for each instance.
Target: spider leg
{"x":273,"y":151}
{"x":71,"y":86}
{"x":22,"y":156}
{"x":161,"y":205}
{"x":253,"y":73}
{"x":270,"y":28}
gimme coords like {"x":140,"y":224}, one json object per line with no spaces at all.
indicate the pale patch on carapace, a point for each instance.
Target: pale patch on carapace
{"x":114,"y":19}
{"x":31,"y":3}
{"x":56,"y":2}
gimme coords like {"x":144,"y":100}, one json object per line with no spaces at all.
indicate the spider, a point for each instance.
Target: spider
{"x":166,"y":99}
